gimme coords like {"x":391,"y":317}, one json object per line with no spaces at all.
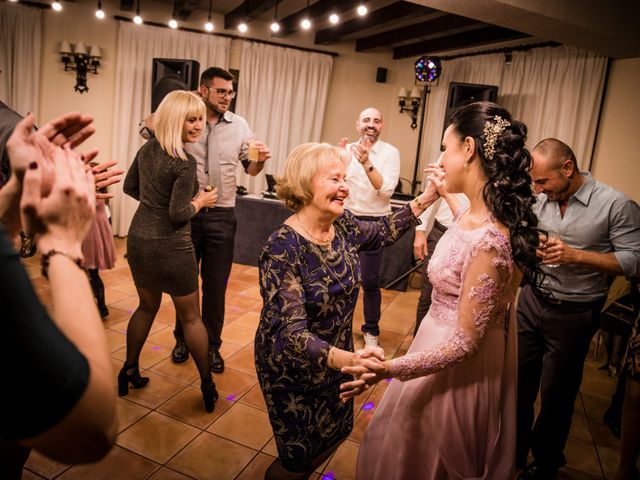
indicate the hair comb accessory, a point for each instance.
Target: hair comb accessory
{"x":496,"y":184}
{"x":523,"y":223}
{"x":492,"y":130}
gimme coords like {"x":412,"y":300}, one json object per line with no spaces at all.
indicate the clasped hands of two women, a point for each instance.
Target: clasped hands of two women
{"x":368,"y":368}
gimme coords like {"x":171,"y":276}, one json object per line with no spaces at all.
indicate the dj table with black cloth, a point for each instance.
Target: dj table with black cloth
{"x":259,"y":217}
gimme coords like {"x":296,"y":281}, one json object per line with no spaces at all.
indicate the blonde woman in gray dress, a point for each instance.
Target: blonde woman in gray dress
{"x":159,"y":248}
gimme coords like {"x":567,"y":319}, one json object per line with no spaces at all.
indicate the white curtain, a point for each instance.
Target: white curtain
{"x":283,"y":95}
{"x":20,"y":40}
{"x":555,"y":91}
{"x":137,"y":46}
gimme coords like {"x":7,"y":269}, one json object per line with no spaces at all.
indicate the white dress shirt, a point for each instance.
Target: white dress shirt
{"x":440,"y":211}
{"x":363,"y":199}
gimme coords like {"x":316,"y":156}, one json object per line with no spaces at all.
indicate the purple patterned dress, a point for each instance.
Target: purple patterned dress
{"x":310,"y":293}
{"x":451,"y":412}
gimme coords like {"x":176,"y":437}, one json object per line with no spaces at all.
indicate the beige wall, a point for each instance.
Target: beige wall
{"x":352,"y":89}
{"x":616,"y":160}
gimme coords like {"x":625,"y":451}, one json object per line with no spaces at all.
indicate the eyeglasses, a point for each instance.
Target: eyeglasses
{"x":221,"y":92}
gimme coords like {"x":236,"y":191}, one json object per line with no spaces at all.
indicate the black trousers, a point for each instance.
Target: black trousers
{"x":553,"y":342}
{"x":424,"y":302}
{"x":370,"y":264}
{"x":212,"y":232}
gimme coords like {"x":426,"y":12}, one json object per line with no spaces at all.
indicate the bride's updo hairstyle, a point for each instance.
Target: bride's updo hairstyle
{"x":500,"y":145}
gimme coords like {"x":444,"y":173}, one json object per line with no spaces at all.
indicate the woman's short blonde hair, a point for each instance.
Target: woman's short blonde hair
{"x":302,"y":165}
{"x":170,"y":116}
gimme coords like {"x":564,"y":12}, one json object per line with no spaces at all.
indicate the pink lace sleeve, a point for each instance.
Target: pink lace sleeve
{"x":485,"y":282}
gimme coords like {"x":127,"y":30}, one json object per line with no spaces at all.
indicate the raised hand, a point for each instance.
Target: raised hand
{"x":103,"y":176}
{"x":61,"y":219}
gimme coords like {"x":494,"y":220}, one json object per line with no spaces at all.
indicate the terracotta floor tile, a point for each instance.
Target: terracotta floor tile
{"x":249,"y":320}
{"x":156,"y":392}
{"x":185,"y":372}
{"x":128,"y":304}
{"x":343,"y":463}
{"x":254,"y":398}
{"x":568,"y":473}
{"x":598,"y":385}
{"x":115,"y":340}
{"x":44,"y":466}
{"x":29,"y":475}
{"x":609,"y":458}
{"x":238,"y":334}
{"x":163,"y":337}
{"x":187,"y":406}
{"x":151,"y":354}
{"x":270,"y":448}
{"x":243,"y":360}
{"x":256,"y":469}
{"x":129,"y":413}
{"x":116,"y":294}
{"x":167,"y":474}
{"x":234,"y":383}
{"x":582,"y":456}
{"x":594,"y":407}
{"x":126,"y":288}
{"x":115,"y":317}
{"x":228,"y":349}
{"x":157,"y":437}
{"x":245,"y":425}
{"x":580,"y":428}
{"x":119,"y":464}
{"x":602,"y":436}
{"x":210,"y":457}
{"x":360,"y":425}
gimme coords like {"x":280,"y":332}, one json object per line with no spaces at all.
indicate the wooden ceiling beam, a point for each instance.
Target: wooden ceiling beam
{"x":247,"y":11}
{"x":415,"y":31}
{"x":482,"y":36}
{"x":375,"y":18}
{"x":184,"y":8}
{"x":291,"y":24}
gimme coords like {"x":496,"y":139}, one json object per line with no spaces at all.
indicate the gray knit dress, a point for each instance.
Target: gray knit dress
{"x":159,"y":248}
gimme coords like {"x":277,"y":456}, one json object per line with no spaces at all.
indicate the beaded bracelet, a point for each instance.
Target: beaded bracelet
{"x":46,"y":256}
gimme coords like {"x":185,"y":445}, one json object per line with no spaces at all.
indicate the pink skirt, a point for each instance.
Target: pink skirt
{"x":98,"y":248}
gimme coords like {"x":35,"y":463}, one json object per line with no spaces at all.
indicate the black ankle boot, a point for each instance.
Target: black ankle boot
{"x":130,"y":375}
{"x":209,"y":394}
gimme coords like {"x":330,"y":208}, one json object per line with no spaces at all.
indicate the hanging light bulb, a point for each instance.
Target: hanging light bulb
{"x":275,"y":26}
{"x":334,"y":18}
{"x":99,"y":11}
{"x":209,"y":25}
{"x":137,"y":19}
{"x":172,"y":23}
{"x":57,"y":6}
{"x":306,"y":23}
{"x":362,"y":10}
{"x":243,"y":27}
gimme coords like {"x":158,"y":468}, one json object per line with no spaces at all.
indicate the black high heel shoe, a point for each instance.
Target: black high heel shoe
{"x":133,"y":378}
{"x":209,"y":394}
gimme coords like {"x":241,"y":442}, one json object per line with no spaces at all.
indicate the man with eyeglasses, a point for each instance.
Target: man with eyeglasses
{"x":222,"y":145}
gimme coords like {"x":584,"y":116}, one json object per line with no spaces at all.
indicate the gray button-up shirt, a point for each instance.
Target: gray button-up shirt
{"x":597,"y":219}
{"x":218,"y":151}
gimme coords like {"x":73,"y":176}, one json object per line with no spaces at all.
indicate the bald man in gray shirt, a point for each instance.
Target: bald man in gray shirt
{"x":593,"y":233}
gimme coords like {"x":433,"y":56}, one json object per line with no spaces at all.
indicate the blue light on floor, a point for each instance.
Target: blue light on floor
{"x":155,"y":347}
{"x":231,"y":398}
{"x":369,"y":406}
{"x":328,"y":476}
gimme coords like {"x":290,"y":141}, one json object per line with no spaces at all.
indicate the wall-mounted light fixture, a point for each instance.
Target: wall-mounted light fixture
{"x":75,"y":58}
{"x":410,"y":103}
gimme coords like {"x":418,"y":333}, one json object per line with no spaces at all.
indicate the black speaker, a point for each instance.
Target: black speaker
{"x":381,"y":75}
{"x":464,"y":93}
{"x":170,"y":74}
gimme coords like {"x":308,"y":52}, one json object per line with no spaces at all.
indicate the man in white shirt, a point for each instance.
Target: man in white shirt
{"x":435,"y":221}
{"x":372,"y":175}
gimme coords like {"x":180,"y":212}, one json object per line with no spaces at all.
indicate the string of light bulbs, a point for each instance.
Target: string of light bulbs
{"x":305,"y":22}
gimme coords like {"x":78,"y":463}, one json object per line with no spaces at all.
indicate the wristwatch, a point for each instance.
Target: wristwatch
{"x":370,"y":168}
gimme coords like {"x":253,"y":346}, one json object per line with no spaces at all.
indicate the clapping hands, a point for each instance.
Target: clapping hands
{"x":367,"y":368}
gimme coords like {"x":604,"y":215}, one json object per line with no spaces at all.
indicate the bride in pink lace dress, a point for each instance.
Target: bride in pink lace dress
{"x":451,"y":412}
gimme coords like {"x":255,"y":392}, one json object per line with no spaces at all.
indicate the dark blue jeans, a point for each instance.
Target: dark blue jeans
{"x":212,"y":232}
{"x":370,"y":263}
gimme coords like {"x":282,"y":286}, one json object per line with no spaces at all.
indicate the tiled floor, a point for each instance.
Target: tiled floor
{"x":165,"y":434}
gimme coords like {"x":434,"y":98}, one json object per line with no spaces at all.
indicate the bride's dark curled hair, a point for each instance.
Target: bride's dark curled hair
{"x":506,"y":162}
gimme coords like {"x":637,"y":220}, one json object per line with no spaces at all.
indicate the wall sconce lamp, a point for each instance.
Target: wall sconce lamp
{"x":410,"y":103}
{"x":75,"y":58}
